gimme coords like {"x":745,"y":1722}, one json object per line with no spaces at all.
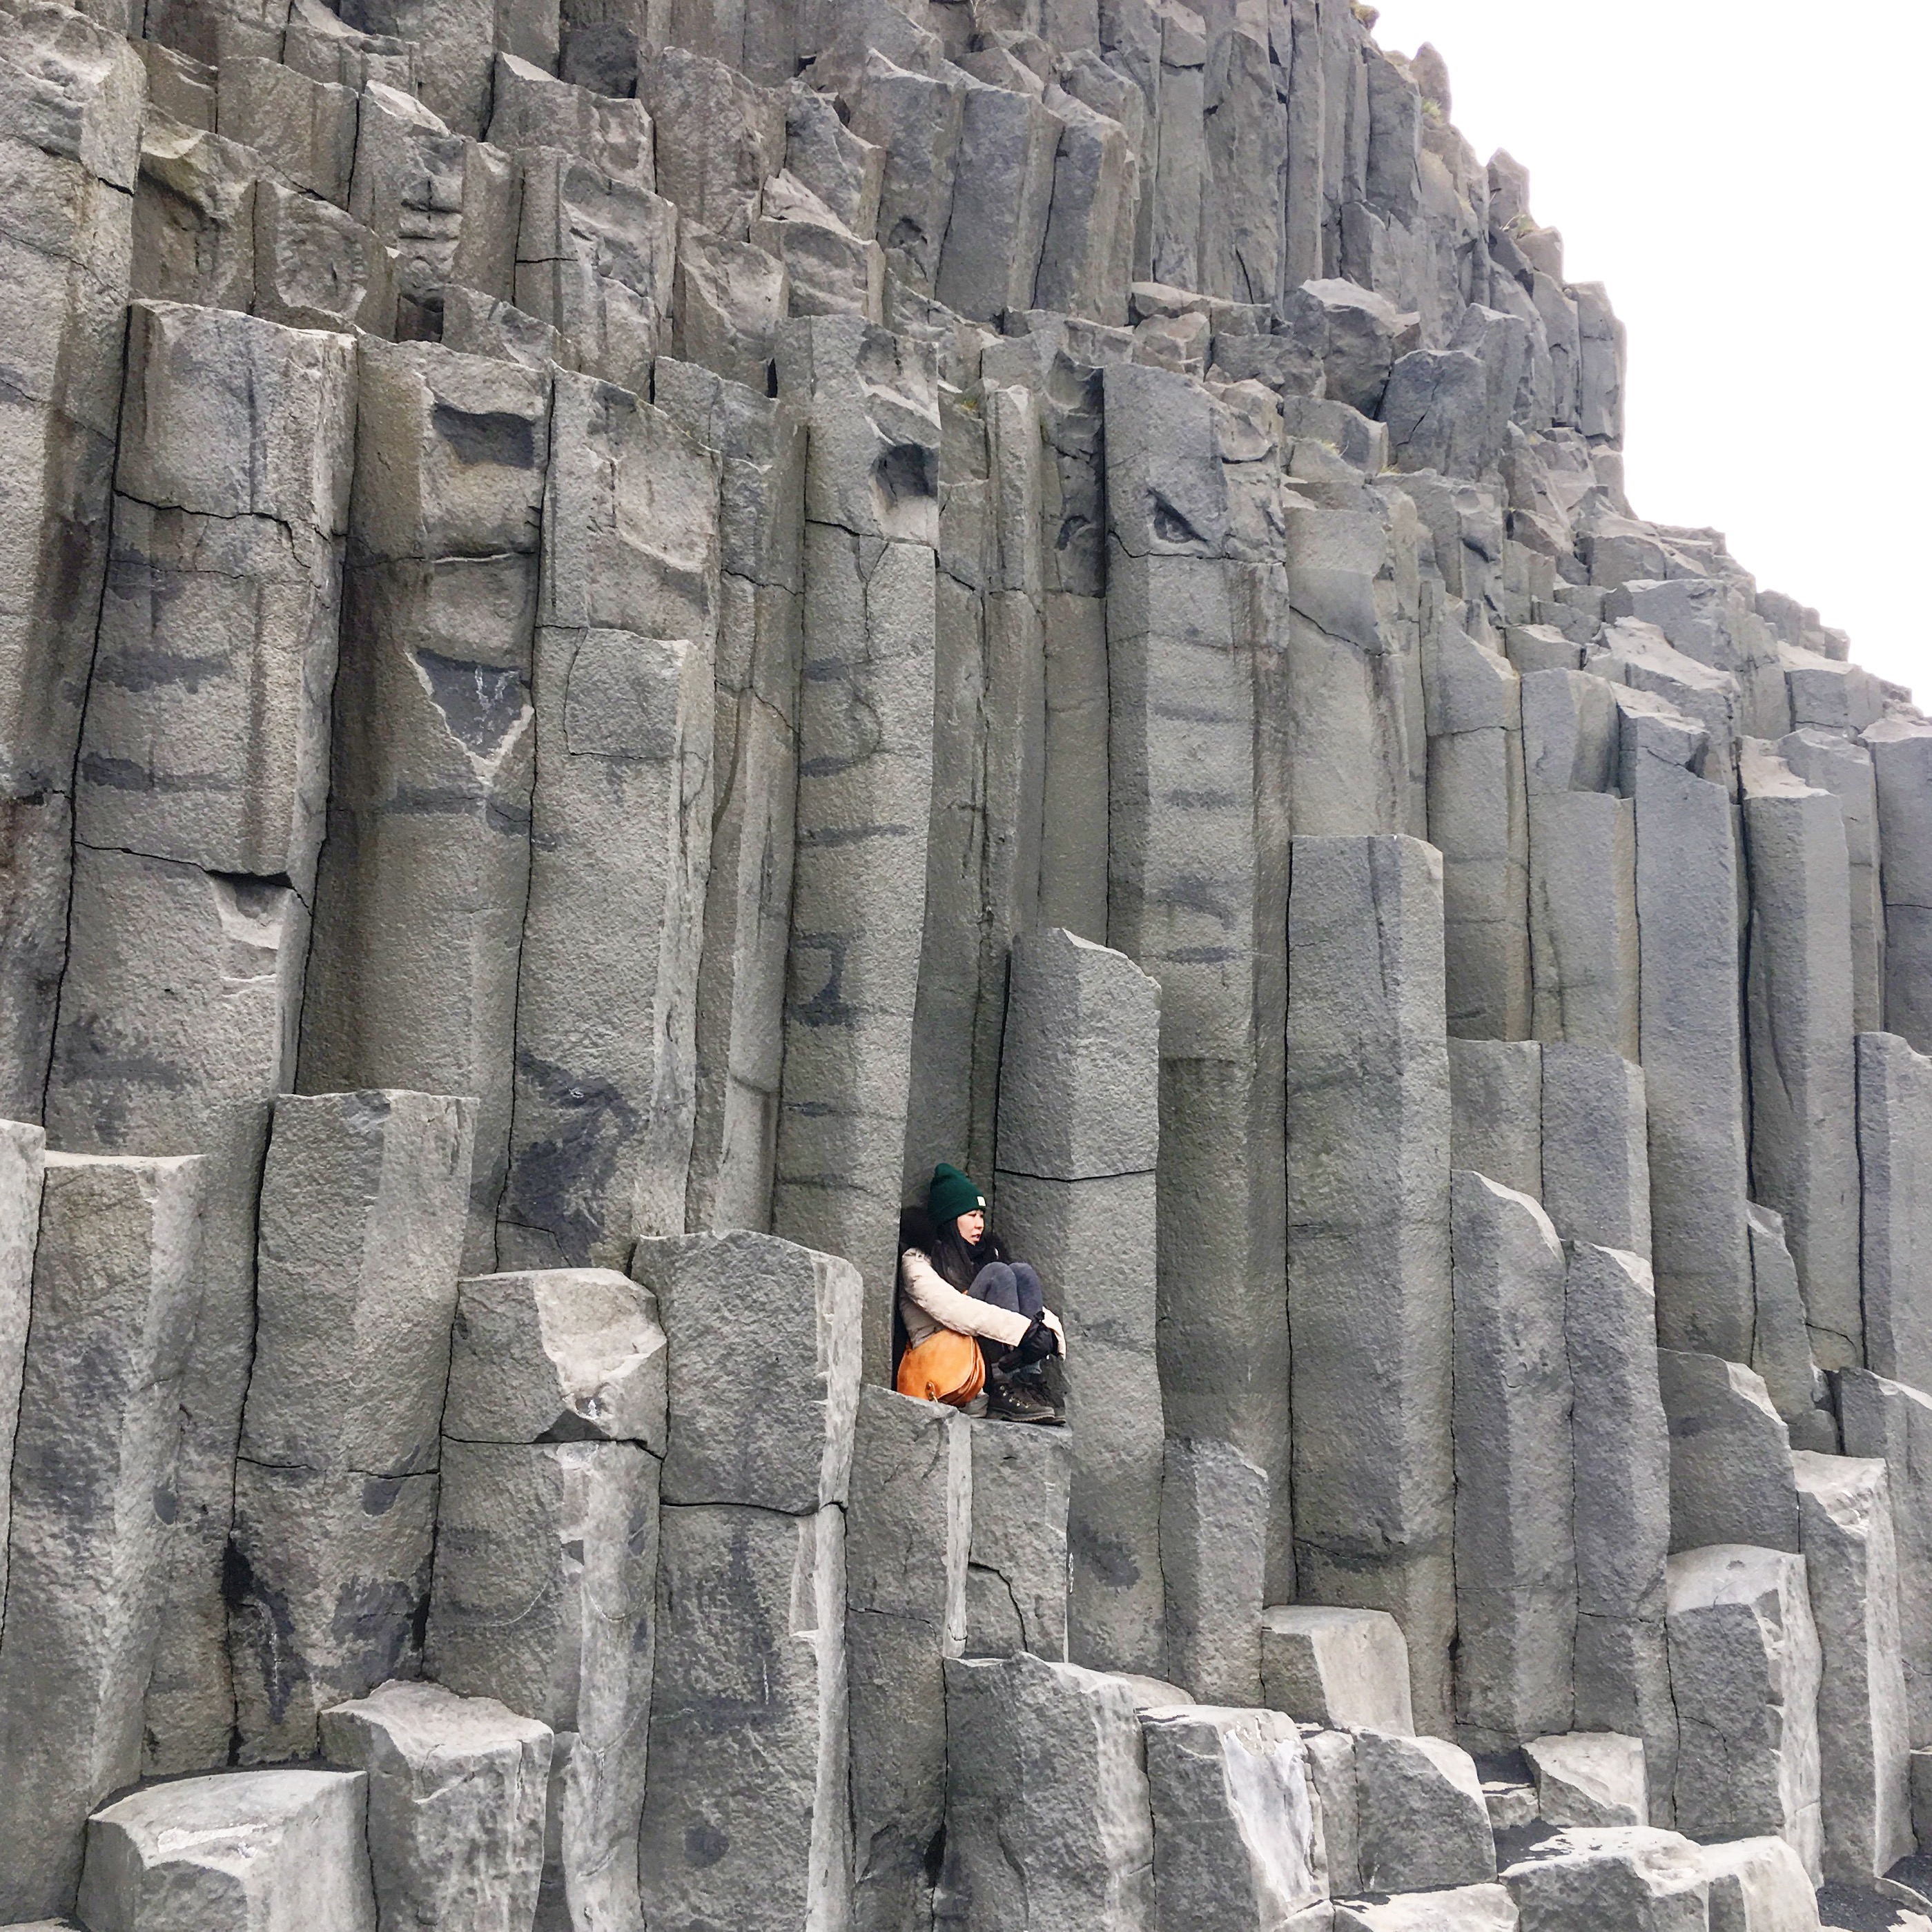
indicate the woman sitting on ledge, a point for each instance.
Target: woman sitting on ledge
{"x":956,"y":1276}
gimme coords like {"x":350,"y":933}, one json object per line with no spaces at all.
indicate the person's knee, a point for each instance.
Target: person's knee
{"x":1033,"y":1297}
{"x":996,"y":1283}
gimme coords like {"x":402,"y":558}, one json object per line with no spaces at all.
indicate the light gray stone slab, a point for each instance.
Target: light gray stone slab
{"x":1079,"y":1082}
{"x":265,"y":1846}
{"x":746,"y":1813}
{"x":1633,"y":1877}
{"x":1587,"y":1779}
{"x":364,"y":1196}
{"x":1515,"y":1563}
{"x":556,"y":1353}
{"x":1369,"y":1251}
{"x":1092,"y":1242}
{"x":1621,"y":1443}
{"x":909,"y":1522}
{"x":456,"y":1789}
{"x":1692,"y":1053}
{"x":1086,"y":258}
{"x":1894,"y":1131}
{"x":1730,"y":1455}
{"x":865,"y":751}
{"x":1851,"y":1566}
{"x":1335,"y":1668}
{"x":532,"y":109}
{"x":546,"y":1565}
{"x":1781,"y":1343}
{"x":1423,"y":1824}
{"x":1017,"y":1565}
{"x":1901,"y":756}
{"x":1886,"y":1419}
{"x":1048,"y":1813}
{"x":1495,"y":1103}
{"x":740,"y":1043}
{"x":1799,"y":996}
{"x":607,"y":985}
{"x":115,"y":1289}
{"x":1196,"y":897}
{"x":74,"y":90}
{"x":327,"y":1582}
{"x":1008,"y":141}
{"x":1844,"y":766}
{"x":596,"y":260}
{"x":1468,"y":1908}
{"x":1744,"y":1668}
{"x":1237,"y":1837}
{"x":1596,"y":1159}
{"x":187,"y":928}
{"x":229,"y":572}
{"x":1331,"y":1770}
{"x":1358,"y":336}
{"x":23,"y":1148}
{"x":1585,"y":951}
{"x":419,"y":914}
{"x":782,"y":1440}
{"x":1758,"y":1885}
{"x":1213,"y":1527}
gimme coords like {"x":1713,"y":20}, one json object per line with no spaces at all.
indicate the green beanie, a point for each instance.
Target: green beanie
{"x":951,"y":1194}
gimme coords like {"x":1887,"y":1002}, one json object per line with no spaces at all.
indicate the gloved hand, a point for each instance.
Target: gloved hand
{"x":1035,"y":1345}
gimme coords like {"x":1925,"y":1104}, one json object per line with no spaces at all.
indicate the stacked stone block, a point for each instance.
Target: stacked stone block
{"x":682,"y":572}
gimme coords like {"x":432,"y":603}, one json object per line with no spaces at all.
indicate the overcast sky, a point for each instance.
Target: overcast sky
{"x":1750,"y":182}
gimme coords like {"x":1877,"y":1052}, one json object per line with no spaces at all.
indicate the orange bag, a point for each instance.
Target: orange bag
{"x":946,"y":1367}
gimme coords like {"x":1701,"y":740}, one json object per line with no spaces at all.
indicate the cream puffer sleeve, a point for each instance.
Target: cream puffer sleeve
{"x":939,"y":1299}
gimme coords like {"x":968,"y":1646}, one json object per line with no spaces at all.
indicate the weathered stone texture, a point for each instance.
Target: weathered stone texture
{"x":116,"y":1284}
{"x":624,"y":622}
{"x":1369,"y":1241}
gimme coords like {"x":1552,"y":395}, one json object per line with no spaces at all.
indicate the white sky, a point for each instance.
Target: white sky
{"x":1750,"y":182}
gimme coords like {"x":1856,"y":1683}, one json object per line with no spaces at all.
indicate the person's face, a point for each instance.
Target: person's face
{"x":972,"y":1226}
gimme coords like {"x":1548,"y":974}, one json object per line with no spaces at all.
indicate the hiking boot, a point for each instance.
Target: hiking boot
{"x":1020,"y":1401}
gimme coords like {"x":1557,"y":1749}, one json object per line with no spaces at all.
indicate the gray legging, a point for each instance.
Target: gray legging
{"x":1012,"y":1285}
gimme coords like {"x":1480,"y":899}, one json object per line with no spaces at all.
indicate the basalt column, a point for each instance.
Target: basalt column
{"x":865,"y":760}
{"x":1192,"y":846}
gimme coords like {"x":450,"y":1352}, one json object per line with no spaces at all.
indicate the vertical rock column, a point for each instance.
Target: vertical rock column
{"x":747,"y":1819}
{"x":23,"y":1151}
{"x":1901,"y":754}
{"x":864,"y":784}
{"x":1691,"y":1032}
{"x":1843,"y":767}
{"x":1516,"y":1566}
{"x":1073,"y":832}
{"x":547,"y":1552}
{"x":740,"y":1036}
{"x":1369,"y":1243}
{"x":910,"y":1520}
{"x":1620,"y":1448}
{"x":1079,"y":1135}
{"x":198,"y":810}
{"x":419,"y":910}
{"x":1187,"y":900}
{"x":1883,"y":1419}
{"x":620,"y":836}
{"x":1895,"y":1117}
{"x":1851,"y":1566}
{"x":364,"y":1198}
{"x":70,"y":133}
{"x":983,"y":853}
{"x":1799,"y":998}
{"x":1477,"y":820}
{"x":115,"y":1287}
{"x":1582,"y":861}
